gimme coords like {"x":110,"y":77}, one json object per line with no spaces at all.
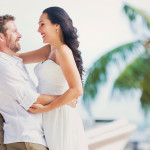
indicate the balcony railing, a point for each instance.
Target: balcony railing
{"x":111,"y":136}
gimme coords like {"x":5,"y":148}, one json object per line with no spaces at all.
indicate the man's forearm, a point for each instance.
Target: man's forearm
{"x":45,"y":99}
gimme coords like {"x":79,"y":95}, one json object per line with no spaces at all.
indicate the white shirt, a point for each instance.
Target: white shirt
{"x":17,"y":94}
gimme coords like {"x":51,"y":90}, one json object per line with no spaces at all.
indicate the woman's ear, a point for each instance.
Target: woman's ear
{"x":57,"y":26}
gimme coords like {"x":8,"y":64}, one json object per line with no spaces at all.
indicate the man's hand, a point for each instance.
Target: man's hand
{"x":73,"y":103}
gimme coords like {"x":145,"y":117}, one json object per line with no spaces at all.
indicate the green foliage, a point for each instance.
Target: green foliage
{"x":133,"y":13}
{"x":133,"y":75}
{"x":136,"y":75}
{"x":98,"y":73}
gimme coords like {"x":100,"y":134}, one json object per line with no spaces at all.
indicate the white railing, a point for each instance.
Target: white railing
{"x":112,"y":136}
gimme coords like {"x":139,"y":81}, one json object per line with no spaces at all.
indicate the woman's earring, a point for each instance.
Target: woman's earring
{"x":56,"y":30}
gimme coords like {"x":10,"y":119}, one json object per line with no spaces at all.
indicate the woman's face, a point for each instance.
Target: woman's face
{"x":47,"y":29}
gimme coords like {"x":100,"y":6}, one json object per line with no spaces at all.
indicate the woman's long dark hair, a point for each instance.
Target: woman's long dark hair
{"x":58,"y":16}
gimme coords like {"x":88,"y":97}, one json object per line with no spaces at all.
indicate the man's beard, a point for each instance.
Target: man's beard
{"x":14,"y":47}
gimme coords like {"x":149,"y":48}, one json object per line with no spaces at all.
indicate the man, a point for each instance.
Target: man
{"x":2,"y":146}
{"x":22,"y":130}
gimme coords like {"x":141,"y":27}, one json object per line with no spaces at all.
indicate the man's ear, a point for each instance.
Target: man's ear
{"x":2,"y":37}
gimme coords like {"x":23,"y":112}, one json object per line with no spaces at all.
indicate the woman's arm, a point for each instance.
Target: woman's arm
{"x":36,"y":55}
{"x":65,"y":59}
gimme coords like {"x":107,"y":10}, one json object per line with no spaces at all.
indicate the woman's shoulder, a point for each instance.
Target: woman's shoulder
{"x":64,"y":49}
{"x":64,"y":52}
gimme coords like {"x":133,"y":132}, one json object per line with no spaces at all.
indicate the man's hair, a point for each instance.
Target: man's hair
{"x":3,"y":20}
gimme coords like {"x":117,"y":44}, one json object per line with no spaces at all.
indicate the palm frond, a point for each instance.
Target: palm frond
{"x":133,"y":13}
{"x":98,"y":72}
{"x":133,"y":76}
{"x":136,"y":76}
{"x":145,"y":97}
{"x":145,"y":102}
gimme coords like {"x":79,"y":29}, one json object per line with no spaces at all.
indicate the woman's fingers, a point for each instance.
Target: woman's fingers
{"x":36,"y":108}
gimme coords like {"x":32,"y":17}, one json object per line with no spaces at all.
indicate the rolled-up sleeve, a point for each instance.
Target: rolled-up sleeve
{"x":12,"y":84}
{"x":28,"y":98}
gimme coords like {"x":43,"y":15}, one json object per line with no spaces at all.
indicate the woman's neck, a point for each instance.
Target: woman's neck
{"x":59,"y":40}
{"x":55,"y":45}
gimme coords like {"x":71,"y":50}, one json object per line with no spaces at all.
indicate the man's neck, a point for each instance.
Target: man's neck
{"x":7,"y":51}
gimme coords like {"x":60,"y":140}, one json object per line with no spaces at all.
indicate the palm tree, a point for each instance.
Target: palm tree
{"x":135,"y":56}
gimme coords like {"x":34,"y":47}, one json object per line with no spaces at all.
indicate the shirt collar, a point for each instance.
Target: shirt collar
{"x":10,"y":59}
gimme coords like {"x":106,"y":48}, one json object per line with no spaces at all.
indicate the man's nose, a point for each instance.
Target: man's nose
{"x":19,"y":35}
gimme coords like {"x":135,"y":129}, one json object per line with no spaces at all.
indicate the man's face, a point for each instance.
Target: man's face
{"x":12,"y":36}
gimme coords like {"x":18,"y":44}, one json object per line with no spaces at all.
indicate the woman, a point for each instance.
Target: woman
{"x":59,"y":73}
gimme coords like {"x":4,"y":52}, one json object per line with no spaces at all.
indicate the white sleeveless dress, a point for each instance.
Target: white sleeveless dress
{"x":63,"y":127}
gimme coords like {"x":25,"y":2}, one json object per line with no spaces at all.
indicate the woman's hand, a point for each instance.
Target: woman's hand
{"x":73,"y":103}
{"x":36,"y":108}
{"x":39,"y":108}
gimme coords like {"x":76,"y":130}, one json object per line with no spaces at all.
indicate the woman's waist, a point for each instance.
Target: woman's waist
{"x":62,"y":109}
{"x":52,"y":90}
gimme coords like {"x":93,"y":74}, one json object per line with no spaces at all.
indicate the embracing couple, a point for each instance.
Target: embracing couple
{"x":46,"y":117}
